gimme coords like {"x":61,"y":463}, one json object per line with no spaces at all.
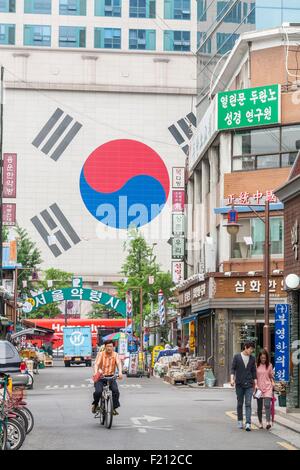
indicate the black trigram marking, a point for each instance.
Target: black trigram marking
{"x":52,"y":222}
{"x":183,"y":131}
{"x":57,"y":134}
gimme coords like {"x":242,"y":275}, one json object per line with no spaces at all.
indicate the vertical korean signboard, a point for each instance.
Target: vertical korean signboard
{"x":251,"y":107}
{"x":282,"y":343}
{"x":9,"y":175}
{"x":9,"y":214}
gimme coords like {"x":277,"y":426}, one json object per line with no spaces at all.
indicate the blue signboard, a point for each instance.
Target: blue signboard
{"x":282,"y":342}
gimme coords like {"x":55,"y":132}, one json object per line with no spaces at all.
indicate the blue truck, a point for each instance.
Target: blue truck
{"x":77,"y":345}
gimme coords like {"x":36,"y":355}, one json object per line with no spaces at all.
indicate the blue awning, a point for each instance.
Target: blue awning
{"x":278,"y":206}
{"x":189,"y":319}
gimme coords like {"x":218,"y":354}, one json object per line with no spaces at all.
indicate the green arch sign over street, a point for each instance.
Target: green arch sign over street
{"x":74,"y":293}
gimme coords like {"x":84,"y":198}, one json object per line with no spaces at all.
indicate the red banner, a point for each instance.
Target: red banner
{"x":9,"y":175}
{"x":178,"y":201}
{"x":9,"y":214}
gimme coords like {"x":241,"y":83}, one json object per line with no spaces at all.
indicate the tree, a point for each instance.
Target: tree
{"x":4,"y":233}
{"x":141,"y":263}
{"x":61,"y":280}
{"x":29,"y":256}
{"x":99,"y":311}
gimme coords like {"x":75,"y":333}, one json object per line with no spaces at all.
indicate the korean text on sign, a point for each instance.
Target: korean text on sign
{"x":250,"y":107}
{"x":282,"y":348}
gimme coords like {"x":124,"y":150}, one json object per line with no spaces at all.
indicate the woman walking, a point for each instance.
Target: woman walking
{"x":265,"y":384}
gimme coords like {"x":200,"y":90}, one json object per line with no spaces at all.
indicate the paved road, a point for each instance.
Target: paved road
{"x":153,"y":415}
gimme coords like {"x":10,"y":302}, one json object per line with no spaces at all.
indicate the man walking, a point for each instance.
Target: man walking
{"x":243,"y":376}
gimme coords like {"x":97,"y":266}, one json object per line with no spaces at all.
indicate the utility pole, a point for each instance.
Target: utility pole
{"x":266,"y":334}
{"x":142,"y":319}
{"x":1,"y":183}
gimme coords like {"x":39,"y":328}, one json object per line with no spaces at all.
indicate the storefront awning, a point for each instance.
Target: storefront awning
{"x":278,"y":206}
{"x":189,"y":319}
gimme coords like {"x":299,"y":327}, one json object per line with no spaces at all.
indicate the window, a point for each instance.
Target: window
{"x":108,"y":7}
{"x":108,"y":38}
{"x":265,"y":148}
{"x":35,"y":35}
{"x":7,"y":34}
{"x":177,"y":9}
{"x":225,"y":42}
{"x":71,"y":36}
{"x":206,"y":49}
{"x":255,"y":228}
{"x":37,"y":6}
{"x":177,"y":41}
{"x":8,"y":6}
{"x":249,"y":13}
{"x":72,"y":7}
{"x":142,"y":8}
{"x":201,"y":10}
{"x":142,"y":39}
{"x":234,"y":15}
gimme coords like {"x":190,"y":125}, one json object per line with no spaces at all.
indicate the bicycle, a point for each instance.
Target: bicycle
{"x":12,"y":433}
{"x":105,"y":412}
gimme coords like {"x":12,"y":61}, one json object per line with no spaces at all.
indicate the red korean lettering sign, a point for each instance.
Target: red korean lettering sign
{"x":178,"y":200}
{"x":9,"y":175}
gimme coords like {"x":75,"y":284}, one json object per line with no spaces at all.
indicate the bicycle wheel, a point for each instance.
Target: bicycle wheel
{"x":102,"y":412}
{"x":21,"y":417}
{"x":15,"y":434}
{"x":3,"y":435}
{"x":108,"y":411}
{"x":30,"y":381}
{"x":30,"y":419}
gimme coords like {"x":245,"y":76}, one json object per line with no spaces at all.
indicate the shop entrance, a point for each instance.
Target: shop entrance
{"x":250,"y":328}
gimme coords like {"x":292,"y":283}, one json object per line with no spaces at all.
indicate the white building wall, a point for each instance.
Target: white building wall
{"x":114,"y":96}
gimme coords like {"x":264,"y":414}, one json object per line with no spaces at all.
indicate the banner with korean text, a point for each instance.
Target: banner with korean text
{"x":251,"y":107}
{"x":282,"y":342}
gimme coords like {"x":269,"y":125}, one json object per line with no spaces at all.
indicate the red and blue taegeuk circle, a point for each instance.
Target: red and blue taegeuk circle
{"x":124,"y":182}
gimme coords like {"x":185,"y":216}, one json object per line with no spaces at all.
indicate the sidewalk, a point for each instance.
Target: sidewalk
{"x":288,"y":420}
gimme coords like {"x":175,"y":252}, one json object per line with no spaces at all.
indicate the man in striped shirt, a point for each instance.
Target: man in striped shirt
{"x":106,"y":364}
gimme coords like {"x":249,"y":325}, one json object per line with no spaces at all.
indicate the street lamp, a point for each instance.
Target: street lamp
{"x":233,"y":228}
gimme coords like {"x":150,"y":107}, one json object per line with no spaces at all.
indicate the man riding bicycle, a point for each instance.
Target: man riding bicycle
{"x":106,"y":364}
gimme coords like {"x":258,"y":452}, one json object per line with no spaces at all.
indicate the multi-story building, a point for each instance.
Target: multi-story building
{"x":240,"y":156}
{"x":220,"y":24}
{"x":126,"y":25}
{"x":99,"y":99}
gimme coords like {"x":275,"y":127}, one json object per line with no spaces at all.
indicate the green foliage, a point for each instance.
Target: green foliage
{"x":141,"y":263}
{"x":4,"y":233}
{"x":29,"y":256}
{"x":99,"y":311}
{"x":61,"y":280}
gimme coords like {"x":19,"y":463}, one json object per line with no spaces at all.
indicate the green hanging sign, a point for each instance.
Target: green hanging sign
{"x":251,"y":107}
{"x":74,"y":293}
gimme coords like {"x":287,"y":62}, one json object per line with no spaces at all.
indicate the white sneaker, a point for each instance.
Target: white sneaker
{"x":248,"y":427}
{"x":240,"y":424}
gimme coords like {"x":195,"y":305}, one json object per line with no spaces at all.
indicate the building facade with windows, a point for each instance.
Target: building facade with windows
{"x":238,"y":156}
{"x":219,"y":25}
{"x":153,"y":25}
{"x":84,"y":78}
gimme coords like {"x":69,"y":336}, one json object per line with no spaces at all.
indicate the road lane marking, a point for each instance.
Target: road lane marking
{"x":89,"y":385}
{"x":287,"y":446}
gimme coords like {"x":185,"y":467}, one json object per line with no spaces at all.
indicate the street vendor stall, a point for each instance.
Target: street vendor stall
{"x":28,"y":351}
